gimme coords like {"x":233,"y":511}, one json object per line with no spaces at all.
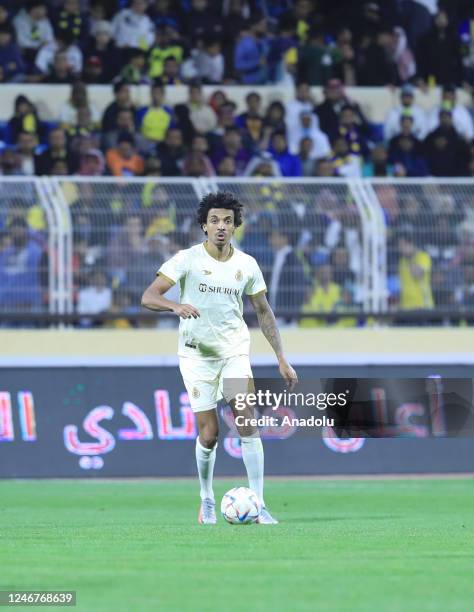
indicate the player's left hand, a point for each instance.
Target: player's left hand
{"x":288,"y":374}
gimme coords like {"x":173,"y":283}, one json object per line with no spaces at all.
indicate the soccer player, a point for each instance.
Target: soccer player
{"x":214,"y":340}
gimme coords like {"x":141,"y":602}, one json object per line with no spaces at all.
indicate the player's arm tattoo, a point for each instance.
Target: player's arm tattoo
{"x":267,"y":322}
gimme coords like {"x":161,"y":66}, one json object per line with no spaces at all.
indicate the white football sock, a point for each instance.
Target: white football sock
{"x":205,"y":459}
{"x":252,"y":454}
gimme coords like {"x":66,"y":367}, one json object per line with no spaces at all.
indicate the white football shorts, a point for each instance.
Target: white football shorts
{"x":203,"y":379}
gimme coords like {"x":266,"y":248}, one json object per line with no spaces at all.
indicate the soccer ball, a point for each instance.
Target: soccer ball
{"x":241,"y":506}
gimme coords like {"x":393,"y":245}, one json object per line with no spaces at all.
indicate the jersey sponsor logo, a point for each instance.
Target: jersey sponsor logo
{"x":207,"y":272}
{"x":203,"y":288}
{"x":196,"y":393}
{"x":239,"y":276}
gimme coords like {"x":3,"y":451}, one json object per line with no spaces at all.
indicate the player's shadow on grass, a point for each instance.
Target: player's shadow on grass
{"x":326,"y":519}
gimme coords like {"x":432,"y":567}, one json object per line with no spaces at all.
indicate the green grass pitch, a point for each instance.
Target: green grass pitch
{"x":342,"y":545}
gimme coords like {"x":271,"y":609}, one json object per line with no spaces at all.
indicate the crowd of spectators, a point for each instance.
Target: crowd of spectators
{"x":121,"y":234}
{"x":238,"y":41}
{"x":298,"y":43}
{"x":307,"y":238}
{"x":307,"y":243}
{"x":208,"y":137}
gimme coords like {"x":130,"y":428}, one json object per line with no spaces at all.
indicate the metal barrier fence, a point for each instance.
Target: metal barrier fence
{"x":434,"y":218}
{"x":33,"y":256}
{"x":338,"y":249}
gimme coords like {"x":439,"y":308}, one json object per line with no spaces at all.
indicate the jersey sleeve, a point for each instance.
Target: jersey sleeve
{"x":175,"y":268}
{"x":255,"y":283}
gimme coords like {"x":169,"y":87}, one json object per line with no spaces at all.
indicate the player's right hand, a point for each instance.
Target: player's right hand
{"x":186,"y":311}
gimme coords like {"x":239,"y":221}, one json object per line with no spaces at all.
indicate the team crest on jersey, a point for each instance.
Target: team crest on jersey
{"x":196,"y":393}
{"x":239,"y":276}
{"x":207,"y":272}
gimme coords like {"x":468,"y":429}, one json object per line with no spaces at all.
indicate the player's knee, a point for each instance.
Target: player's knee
{"x":247,"y":433}
{"x":208,"y":439}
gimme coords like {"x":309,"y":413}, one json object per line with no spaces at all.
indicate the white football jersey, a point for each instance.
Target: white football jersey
{"x":215,"y":288}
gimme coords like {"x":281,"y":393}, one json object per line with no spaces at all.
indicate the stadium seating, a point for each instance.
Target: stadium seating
{"x":333,"y":123}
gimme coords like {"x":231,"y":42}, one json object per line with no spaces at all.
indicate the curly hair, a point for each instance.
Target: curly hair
{"x":221,"y":199}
